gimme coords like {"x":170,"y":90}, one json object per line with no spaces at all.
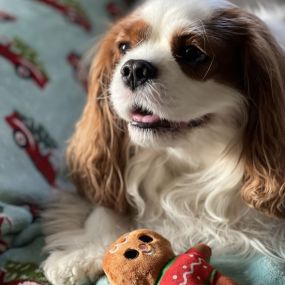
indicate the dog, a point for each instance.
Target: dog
{"x":183,"y":133}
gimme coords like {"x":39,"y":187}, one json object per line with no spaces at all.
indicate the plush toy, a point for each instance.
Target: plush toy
{"x":144,"y":257}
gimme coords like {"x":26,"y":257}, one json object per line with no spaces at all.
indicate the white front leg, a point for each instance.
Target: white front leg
{"x":76,"y":253}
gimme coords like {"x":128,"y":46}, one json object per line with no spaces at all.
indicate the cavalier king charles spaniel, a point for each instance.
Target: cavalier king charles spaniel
{"x":183,"y":133}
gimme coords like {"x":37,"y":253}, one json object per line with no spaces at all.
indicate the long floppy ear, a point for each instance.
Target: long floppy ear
{"x":264,"y":137}
{"x":98,"y":150}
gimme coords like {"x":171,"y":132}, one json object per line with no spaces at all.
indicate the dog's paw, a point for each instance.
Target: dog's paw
{"x":71,"y":268}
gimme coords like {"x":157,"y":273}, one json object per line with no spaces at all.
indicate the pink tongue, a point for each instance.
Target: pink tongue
{"x":145,"y":118}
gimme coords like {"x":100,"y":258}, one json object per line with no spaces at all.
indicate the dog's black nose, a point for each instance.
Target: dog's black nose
{"x":137,"y":72}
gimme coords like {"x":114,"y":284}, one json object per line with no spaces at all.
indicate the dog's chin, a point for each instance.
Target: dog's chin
{"x":155,"y":138}
{"x":149,"y":130}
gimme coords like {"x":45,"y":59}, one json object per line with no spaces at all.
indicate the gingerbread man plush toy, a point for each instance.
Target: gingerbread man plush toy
{"x":144,"y":257}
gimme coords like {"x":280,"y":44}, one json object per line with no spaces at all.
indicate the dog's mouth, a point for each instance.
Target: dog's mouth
{"x":145,"y":119}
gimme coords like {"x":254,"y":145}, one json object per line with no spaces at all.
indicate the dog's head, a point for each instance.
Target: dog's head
{"x":195,"y":75}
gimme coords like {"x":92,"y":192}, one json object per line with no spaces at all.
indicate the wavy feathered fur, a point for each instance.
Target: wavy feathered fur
{"x":264,"y":142}
{"x":98,"y":150}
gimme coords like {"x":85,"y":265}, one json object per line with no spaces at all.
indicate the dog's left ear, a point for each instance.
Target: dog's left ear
{"x":264,"y":137}
{"x":98,"y":150}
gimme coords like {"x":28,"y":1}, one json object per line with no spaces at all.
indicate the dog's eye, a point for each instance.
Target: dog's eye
{"x":192,"y":54}
{"x":124,"y":47}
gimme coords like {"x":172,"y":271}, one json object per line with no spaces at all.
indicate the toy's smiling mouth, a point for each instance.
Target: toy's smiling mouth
{"x":147,"y":249}
{"x":145,"y":119}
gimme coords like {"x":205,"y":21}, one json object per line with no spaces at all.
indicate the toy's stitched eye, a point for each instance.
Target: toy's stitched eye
{"x":192,"y":54}
{"x":124,"y":47}
{"x":131,"y":254}
{"x":146,"y":238}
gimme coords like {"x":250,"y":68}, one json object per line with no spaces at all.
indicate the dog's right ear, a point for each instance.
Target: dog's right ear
{"x":98,"y":150}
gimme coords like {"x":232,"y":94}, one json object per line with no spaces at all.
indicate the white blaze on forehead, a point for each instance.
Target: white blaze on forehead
{"x":166,"y":16}
{"x":158,"y":53}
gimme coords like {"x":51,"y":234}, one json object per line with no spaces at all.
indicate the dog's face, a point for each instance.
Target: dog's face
{"x":176,"y":78}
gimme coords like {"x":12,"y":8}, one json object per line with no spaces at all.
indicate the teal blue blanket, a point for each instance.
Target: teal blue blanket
{"x":42,"y":93}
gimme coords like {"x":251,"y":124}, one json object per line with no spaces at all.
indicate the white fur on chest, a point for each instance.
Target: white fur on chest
{"x":184,"y":204}
{"x":200,"y":206}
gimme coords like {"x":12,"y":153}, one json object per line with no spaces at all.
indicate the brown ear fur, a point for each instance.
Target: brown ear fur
{"x":264,"y":138}
{"x":98,"y":150}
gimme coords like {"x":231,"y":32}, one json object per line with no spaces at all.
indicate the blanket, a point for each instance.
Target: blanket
{"x":42,"y":93}
{"x":39,"y":106}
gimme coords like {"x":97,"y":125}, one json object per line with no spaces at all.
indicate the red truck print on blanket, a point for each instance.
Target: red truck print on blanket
{"x":36,"y":142}
{"x":114,"y":10}
{"x":24,"y":59}
{"x":74,"y":60}
{"x":6,"y":17}
{"x":72,"y":10}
